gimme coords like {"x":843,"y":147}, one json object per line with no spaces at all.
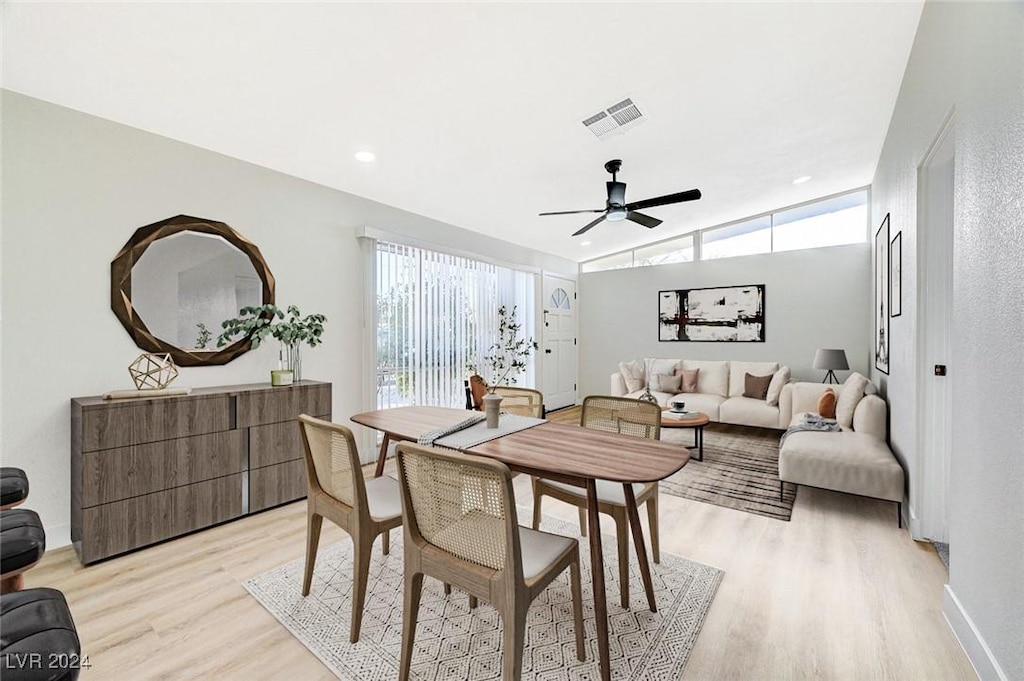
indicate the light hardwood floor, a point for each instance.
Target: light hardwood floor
{"x":837,"y":593}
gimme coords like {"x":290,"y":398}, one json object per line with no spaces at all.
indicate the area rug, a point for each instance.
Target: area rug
{"x":454,"y":643}
{"x":740,"y":470}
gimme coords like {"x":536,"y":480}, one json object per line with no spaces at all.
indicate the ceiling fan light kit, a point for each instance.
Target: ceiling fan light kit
{"x":616,"y":209}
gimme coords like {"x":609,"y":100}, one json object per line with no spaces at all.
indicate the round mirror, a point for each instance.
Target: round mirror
{"x":175,"y":281}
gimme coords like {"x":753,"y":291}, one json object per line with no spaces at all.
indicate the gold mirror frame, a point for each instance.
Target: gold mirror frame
{"x":121,"y":287}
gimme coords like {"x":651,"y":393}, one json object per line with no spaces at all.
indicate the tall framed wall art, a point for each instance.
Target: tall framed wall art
{"x":882,"y":276}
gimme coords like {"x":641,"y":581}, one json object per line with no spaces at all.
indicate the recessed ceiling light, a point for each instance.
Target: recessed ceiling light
{"x":366,"y":156}
{"x":584,"y":243}
{"x":801,"y":180}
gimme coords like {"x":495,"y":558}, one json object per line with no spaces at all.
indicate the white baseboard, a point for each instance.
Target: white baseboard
{"x":970,"y":639}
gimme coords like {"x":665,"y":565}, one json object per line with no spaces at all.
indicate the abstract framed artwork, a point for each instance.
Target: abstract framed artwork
{"x":896,"y":276}
{"x":882,"y":296}
{"x":724,"y":314}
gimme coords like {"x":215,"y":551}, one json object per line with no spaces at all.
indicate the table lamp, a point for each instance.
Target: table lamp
{"x":830,"y":359}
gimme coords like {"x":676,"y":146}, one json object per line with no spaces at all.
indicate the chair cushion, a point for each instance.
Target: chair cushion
{"x":383,"y":498}
{"x":38,"y":621}
{"x":541,"y":550}
{"x":608,"y":492}
{"x":747,"y":411}
{"x":22,"y":539}
{"x":846,"y":462}
{"x":13,"y":486}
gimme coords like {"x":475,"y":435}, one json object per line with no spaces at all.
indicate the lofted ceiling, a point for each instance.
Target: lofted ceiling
{"x":474,"y":110}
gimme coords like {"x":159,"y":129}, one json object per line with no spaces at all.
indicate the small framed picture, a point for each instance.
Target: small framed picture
{"x":896,"y":276}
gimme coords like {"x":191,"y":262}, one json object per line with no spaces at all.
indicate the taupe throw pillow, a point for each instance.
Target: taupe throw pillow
{"x":756,"y":387}
{"x":689,"y":380}
{"x":668,"y":384}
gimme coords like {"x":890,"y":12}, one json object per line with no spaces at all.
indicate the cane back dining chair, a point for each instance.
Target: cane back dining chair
{"x":521,"y":401}
{"x":337,"y":491}
{"x":461,"y":528}
{"x":629,"y":417}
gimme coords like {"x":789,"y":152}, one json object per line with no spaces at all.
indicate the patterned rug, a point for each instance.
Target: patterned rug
{"x":453,"y":643}
{"x":740,"y":470}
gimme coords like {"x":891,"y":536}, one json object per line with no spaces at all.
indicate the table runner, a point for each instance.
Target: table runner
{"x":479,"y":433}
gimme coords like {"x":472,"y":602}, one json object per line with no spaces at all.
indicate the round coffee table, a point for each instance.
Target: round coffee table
{"x":696,"y":421}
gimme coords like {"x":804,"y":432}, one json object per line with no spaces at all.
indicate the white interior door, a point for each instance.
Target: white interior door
{"x":559,"y":342}
{"x":935,"y":310}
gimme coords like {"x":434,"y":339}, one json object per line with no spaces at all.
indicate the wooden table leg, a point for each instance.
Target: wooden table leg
{"x":382,"y":457}
{"x":638,"y":542}
{"x":597,"y":574}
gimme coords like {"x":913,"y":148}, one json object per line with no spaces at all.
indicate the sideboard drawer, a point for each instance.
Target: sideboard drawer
{"x":282,"y":404}
{"x":279,"y":484}
{"x":125,"y":472}
{"x":110,"y":529}
{"x":173,"y":417}
{"x":276,"y":443}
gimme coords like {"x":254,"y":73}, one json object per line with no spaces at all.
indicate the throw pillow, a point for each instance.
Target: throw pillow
{"x":668,"y":384}
{"x":779,"y":379}
{"x":478,"y":387}
{"x":689,"y":381}
{"x":633,"y":375}
{"x":850,"y":396}
{"x":756,"y":387}
{"x":827,"y":404}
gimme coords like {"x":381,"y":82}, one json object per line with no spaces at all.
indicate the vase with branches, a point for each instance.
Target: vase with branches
{"x":508,"y":354}
{"x":287,"y":326}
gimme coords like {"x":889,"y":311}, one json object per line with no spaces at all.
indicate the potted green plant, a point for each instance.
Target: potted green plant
{"x":288,"y":326}
{"x":506,"y":359}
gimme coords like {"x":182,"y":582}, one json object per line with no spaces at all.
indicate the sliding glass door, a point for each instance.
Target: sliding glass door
{"x":437,"y":316}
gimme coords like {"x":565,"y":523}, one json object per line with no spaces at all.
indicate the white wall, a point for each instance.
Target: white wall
{"x":969,"y":56}
{"x":76,"y":187}
{"x":813,"y":299}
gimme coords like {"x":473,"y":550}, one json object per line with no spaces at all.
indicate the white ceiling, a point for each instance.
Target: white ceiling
{"x":475,"y":110}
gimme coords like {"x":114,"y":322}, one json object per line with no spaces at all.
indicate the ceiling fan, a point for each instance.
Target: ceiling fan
{"x":617,"y":209}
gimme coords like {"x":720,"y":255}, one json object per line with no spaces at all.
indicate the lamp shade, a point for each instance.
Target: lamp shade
{"x":826,"y":358}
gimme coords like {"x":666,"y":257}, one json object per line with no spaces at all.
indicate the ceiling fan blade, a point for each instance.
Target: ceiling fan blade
{"x":574,"y":212}
{"x":691,"y":195}
{"x":584,"y":229}
{"x":641,"y":219}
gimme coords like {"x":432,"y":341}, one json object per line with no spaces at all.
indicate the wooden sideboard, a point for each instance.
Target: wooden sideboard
{"x":145,"y":470}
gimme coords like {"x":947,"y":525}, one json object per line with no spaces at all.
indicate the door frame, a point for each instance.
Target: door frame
{"x":929,"y":515}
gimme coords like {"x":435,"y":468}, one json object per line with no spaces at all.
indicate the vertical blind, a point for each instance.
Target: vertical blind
{"x":437,"y":316}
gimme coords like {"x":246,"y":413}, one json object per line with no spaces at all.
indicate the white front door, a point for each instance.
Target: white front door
{"x":559,"y":342}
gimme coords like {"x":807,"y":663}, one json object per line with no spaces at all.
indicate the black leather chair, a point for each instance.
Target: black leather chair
{"x":38,"y":639}
{"x":22,"y":544}
{"x":13,"y":487}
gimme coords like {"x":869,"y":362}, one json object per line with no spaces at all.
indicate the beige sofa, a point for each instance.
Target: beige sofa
{"x":855,"y":460}
{"x":719,"y":392}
